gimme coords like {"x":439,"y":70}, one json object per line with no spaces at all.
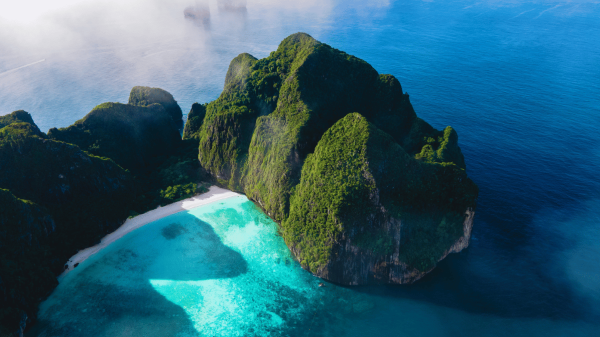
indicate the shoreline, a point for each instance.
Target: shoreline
{"x":214,"y":194}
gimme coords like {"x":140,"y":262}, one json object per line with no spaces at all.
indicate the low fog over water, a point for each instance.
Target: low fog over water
{"x":60,"y":63}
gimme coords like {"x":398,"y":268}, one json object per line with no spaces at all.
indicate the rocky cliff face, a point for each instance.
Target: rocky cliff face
{"x":19,"y":116}
{"x":53,"y":172}
{"x":353,"y":265}
{"x":263,"y":137}
{"x":86,"y":195}
{"x":194,"y":121}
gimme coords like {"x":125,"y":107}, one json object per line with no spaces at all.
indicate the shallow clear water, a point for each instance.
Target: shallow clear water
{"x":519,"y":81}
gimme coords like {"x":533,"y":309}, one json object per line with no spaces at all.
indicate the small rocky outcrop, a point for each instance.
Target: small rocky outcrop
{"x":19,"y":116}
{"x":199,"y":14}
{"x":194,"y":121}
{"x":145,"y":96}
{"x":135,"y":137}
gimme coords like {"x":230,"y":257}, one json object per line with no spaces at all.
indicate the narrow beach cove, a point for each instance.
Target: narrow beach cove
{"x":214,"y":194}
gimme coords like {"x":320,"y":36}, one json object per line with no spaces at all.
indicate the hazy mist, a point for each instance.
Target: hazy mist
{"x":62,"y":61}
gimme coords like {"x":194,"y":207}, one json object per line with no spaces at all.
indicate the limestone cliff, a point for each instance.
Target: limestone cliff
{"x":367,"y":212}
{"x":63,"y":192}
{"x":24,"y":274}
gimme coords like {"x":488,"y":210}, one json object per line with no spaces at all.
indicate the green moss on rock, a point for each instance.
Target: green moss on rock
{"x":333,"y":194}
{"x":359,"y":183}
{"x":77,"y":188}
{"x":273,"y":112}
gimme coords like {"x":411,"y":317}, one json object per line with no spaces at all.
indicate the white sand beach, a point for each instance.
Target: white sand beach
{"x":214,"y":194}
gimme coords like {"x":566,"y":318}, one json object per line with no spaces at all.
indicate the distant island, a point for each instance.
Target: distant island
{"x":232,"y":5}
{"x":364,"y":191}
{"x":199,"y":14}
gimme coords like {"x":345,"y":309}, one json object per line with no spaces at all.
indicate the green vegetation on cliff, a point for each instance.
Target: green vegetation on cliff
{"x":273,"y":112}
{"x":19,"y":116}
{"x":145,"y":96}
{"x":259,"y":137}
{"x":447,"y":151}
{"x":85,"y":194}
{"x":334,"y":191}
{"x":178,"y":177}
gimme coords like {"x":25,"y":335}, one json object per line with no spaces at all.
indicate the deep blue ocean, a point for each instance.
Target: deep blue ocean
{"x":518,"y":80}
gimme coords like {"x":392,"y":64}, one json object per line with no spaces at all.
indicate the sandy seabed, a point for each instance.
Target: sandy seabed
{"x":214,"y":194}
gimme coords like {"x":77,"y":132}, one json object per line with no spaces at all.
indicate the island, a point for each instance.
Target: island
{"x":364,"y":191}
{"x":199,"y":14}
